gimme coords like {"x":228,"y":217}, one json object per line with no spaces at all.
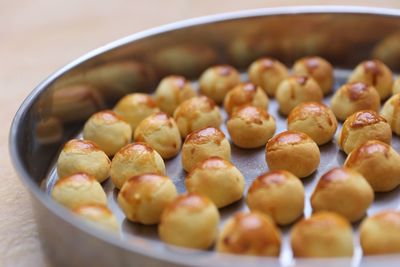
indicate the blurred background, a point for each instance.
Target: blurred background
{"x":38,"y":37}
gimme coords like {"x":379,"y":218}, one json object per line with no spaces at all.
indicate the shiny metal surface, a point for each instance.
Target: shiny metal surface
{"x":57,"y":108}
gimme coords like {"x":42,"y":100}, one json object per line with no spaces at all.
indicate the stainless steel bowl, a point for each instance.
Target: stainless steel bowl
{"x":57,"y":108}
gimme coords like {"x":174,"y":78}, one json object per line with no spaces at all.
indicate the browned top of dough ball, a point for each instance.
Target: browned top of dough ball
{"x":205,"y":135}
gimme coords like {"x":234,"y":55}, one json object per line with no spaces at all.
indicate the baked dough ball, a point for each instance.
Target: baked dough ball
{"x":203,"y":144}
{"x":108,"y":131}
{"x":171,"y":91}
{"x":324,"y":234}
{"x":295,"y":90}
{"x":279,"y":194}
{"x":217,"y":179}
{"x":376,"y":73}
{"x":251,"y":127}
{"x":135,"y":159}
{"x":353,"y":97}
{"x":191,"y":220}
{"x":133,"y":108}
{"x":292,"y":151}
{"x":197,"y":113}
{"x":161,"y":133}
{"x":78,"y":189}
{"x":396,"y":86}
{"x":143,"y":198}
{"x":343,"y":191}
{"x":250,"y":233}
{"x":380,"y":233}
{"x":378,"y":162}
{"x":245,"y":94}
{"x":317,"y":68}
{"x":363,"y":126}
{"x":83,"y":156}
{"x":217,"y":81}
{"x":99,"y":215}
{"x":391,"y":113}
{"x":267,"y":73}
{"x":314,"y":119}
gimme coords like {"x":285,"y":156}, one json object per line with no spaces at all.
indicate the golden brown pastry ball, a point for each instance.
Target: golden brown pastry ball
{"x":279,"y":194}
{"x":378,"y":162}
{"x":217,"y":179}
{"x":171,"y":91}
{"x":292,"y":151}
{"x":250,"y":233}
{"x":161,"y":133}
{"x":376,"y":73}
{"x":391,"y":113}
{"x":314,"y":119}
{"x":78,"y":189}
{"x":99,"y":215}
{"x":251,"y":127}
{"x":245,"y":94}
{"x":353,"y":97}
{"x":324,"y":234}
{"x":343,"y":191}
{"x":363,"y":126}
{"x":135,"y":159}
{"x":380,"y":233}
{"x":133,"y":108}
{"x":191,"y":220}
{"x":83,"y":156}
{"x":108,"y":131}
{"x":143,"y":198}
{"x":217,"y":81}
{"x":202,"y":144}
{"x":295,"y":90}
{"x":317,"y":68}
{"x":197,"y":113}
{"x":267,"y":73}
{"x":396,"y":86}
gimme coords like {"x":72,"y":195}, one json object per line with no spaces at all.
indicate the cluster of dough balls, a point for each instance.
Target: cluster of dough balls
{"x":361,"y":127}
{"x":190,"y":220}
{"x":353,"y":97}
{"x":267,"y":73}
{"x":143,"y":197}
{"x":343,"y":191}
{"x":376,"y":73}
{"x":217,"y":81}
{"x":218,"y":179}
{"x":197,"y":113}
{"x":250,"y":127}
{"x":171,"y":92}
{"x":391,"y":112}
{"x":292,"y":151}
{"x":378,"y":162}
{"x":135,"y":159}
{"x":108,"y":131}
{"x":161,"y":133}
{"x":245,"y":94}
{"x":278,"y":194}
{"x":324,"y":234}
{"x":250,"y":234}
{"x":314,"y":119}
{"x":203,"y":144}
{"x":295,"y":90}
{"x":83,"y":156}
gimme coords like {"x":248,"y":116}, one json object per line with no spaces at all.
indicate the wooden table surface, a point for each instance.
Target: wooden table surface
{"x":38,"y":37}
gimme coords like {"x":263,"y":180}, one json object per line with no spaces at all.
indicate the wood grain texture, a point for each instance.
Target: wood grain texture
{"x":37,"y":37}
